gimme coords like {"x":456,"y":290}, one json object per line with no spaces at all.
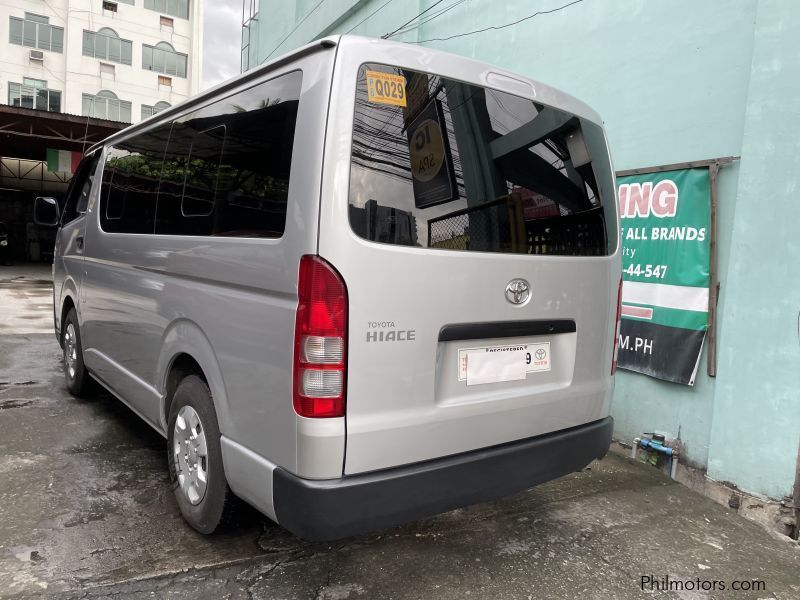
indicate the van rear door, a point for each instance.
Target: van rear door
{"x":476,"y":233}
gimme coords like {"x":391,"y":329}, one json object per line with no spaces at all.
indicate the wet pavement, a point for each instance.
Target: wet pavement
{"x":26,"y":299}
{"x":86,"y":512}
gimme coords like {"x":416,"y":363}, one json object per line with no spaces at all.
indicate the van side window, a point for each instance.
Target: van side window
{"x":226,"y":169}
{"x":189,"y":180}
{"x":80,"y":187}
{"x":130,"y":183}
{"x":201,"y":172}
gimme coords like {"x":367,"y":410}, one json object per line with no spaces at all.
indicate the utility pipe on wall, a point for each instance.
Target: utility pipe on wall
{"x":648,"y":443}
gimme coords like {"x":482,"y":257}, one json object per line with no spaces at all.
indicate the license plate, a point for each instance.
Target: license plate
{"x":493,"y":364}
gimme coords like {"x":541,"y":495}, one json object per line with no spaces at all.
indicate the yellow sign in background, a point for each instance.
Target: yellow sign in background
{"x":386,"y":88}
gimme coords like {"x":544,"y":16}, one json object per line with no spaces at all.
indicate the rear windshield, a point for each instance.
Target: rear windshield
{"x":438,"y":163}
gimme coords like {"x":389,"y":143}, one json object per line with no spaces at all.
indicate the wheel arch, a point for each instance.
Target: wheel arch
{"x":186,"y":350}
{"x":67,"y":303}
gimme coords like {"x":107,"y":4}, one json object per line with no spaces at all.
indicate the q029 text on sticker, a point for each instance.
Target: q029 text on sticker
{"x":386,"y":88}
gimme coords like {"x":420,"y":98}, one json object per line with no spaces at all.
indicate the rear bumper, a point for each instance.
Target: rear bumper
{"x":335,"y":508}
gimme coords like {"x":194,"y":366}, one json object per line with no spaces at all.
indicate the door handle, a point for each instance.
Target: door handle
{"x":79,"y":242}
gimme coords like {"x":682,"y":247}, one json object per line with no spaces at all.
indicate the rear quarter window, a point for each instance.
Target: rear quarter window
{"x":226,"y":170}
{"x":222,"y":170}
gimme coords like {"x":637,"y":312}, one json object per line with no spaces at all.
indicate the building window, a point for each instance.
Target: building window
{"x":35,"y":31}
{"x":105,"y":44}
{"x":124,"y":2}
{"x":106,"y":105}
{"x":33,"y":93}
{"x":162,"y":58}
{"x":149,"y":111}
{"x":176,"y":8}
{"x":37,"y":83}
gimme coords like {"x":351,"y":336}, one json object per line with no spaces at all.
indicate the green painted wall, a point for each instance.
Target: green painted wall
{"x":674,"y":81}
{"x":756,"y":425}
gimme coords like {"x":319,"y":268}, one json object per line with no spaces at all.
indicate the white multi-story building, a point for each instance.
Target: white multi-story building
{"x":121,"y":60}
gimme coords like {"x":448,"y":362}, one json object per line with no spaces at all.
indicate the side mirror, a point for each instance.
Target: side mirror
{"x":45,"y":211}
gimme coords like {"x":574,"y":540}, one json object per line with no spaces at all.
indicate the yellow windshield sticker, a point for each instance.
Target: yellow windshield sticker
{"x":385,"y":88}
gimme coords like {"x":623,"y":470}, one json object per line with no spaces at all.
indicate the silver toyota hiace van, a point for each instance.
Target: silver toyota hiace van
{"x":361,"y":284}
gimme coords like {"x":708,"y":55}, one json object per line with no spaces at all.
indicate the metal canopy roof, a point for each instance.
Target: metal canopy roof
{"x":28,"y":133}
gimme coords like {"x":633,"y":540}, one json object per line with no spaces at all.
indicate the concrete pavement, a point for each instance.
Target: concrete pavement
{"x":26,"y":299}
{"x":86,"y":512}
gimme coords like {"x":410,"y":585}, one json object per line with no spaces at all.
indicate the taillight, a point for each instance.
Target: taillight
{"x":616,"y":328}
{"x":320,"y":340}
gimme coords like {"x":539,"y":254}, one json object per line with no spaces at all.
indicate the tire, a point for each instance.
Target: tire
{"x":206,"y":505}
{"x":79,"y":382}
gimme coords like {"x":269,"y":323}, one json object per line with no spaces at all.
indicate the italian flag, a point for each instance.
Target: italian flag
{"x":63,"y":161}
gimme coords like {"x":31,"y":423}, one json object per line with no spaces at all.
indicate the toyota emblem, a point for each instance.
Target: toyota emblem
{"x":518,"y":291}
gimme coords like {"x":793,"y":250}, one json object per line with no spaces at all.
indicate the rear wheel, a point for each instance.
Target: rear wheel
{"x":195,"y":457}
{"x":78,"y":379}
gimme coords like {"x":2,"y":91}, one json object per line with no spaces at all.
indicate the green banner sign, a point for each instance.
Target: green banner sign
{"x":664,"y":219}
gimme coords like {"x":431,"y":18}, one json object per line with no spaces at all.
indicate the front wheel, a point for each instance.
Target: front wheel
{"x":78,"y":379}
{"x":195,"y":457}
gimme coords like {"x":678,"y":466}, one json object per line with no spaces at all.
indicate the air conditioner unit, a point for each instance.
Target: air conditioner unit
{"x":107,"y":69}
{"x":36,"y":55}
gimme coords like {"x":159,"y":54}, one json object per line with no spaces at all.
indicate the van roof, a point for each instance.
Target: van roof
{"x":166,"y":114}
{"x":566,"y":101}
